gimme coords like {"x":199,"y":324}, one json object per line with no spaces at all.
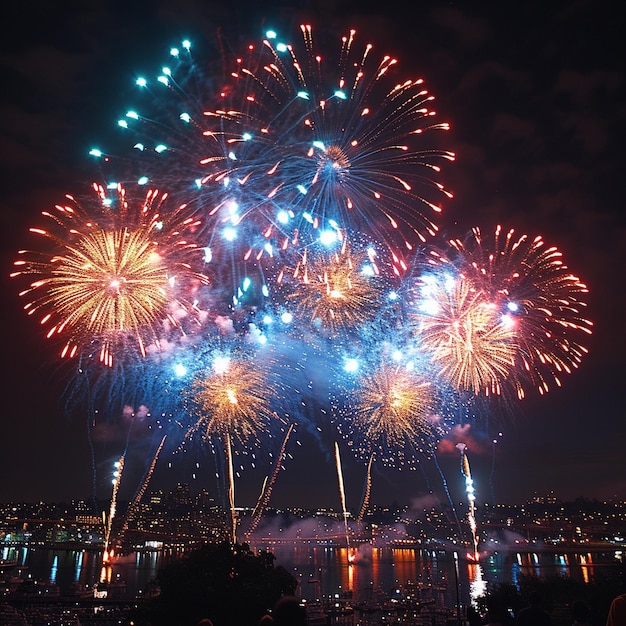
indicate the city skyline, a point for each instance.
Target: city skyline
{"x":536,"y":106}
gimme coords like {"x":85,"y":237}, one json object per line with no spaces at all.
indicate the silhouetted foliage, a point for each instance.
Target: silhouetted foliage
{"x":227,"y":583}
{"x":558,"y":594}
{"x":504,"y":594}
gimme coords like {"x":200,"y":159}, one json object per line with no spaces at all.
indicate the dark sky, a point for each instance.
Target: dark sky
{"x":535,"y":95}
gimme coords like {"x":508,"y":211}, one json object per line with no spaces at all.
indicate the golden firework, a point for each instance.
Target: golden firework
{"x":233,"y":399}
{"x":394,"y":406}
{"x":336,"y":290}
{"x":112,"y":272}
{"x":465,"y":335}
{"x":540,"y":296}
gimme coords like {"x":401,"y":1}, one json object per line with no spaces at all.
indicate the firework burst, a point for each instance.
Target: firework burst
{"x":233,"y":402}
{"x":335,"y":290}
{"x":469,"y":342}
{"x":310,"y":141}
{"x":389,"y":412}
{"x":233,"y":398}
{"x":113,"y":276}
{"x":537,"y":295}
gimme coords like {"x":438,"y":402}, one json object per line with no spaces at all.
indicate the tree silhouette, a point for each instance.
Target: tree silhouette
{"x":227,"y":583}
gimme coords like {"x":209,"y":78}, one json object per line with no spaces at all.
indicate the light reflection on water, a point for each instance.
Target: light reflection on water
{"x":326,"y":570}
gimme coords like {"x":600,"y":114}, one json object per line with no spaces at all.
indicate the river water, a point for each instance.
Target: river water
{"x":326,"y":570}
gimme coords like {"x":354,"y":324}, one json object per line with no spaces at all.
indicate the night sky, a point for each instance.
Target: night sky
{"x":535,"y":97}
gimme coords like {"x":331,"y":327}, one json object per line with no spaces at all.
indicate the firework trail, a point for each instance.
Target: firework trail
{"x":233,"y":399}
{"x":231,"y":489}
{"x":342,"y":495}
{"x":119,"y":466}
{"x":266,"y":491}
{"x":367,"y":490}
{"x":260,"y":498}
{"x":444,"y":482}
{"x":134,"y":505}
{"x":471,"y":499}
{"x":117,"y":478}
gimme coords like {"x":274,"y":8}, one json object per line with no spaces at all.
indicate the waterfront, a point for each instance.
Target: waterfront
{"x":444,"y":576}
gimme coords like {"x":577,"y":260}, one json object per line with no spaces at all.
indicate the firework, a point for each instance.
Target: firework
{"x":342,"y":496}
{"x":117,"y":477}
{"x":233,"y":400}
{"x":367,"y":491}
{"x":335,"y":290}
{"x":113,"y":276}
{"x":536,"y":295}
{"x":463,"y":331}
{"x":309,"y":140}
{"x":306,"y":176}
{"x":390,"y":411}
{"x":268,"y":485}
{"x":471,"y":499}
{"x":134,"y":505}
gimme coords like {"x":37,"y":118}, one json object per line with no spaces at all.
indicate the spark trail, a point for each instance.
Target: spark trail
{"x":231,"y":489}
{"x":367,"y":491}
{"x":266,"y":491}
{"x":342,"y":495}
{"x":117,"y":478}
{"x":132,"y":509}
{"x":471,"y":499}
